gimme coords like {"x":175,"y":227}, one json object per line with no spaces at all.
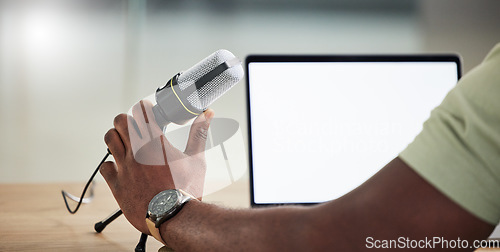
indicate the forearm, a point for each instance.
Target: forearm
{"x":394,"y":203}
{"x":205,"y":227}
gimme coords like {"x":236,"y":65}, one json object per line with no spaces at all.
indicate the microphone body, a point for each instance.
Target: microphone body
{"x":189,"y":93}
{"x":171,"y":105}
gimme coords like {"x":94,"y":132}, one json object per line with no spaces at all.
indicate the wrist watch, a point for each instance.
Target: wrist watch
{"x":164,"y":206}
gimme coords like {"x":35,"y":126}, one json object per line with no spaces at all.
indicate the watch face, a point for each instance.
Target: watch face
{"x":163,"y":203}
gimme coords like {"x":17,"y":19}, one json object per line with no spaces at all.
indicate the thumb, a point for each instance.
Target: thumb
{"x":198,"y":133}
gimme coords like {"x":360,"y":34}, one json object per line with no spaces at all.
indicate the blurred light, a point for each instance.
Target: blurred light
{"x":43,"y":30}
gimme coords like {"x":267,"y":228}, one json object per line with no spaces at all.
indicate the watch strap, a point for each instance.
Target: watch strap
{"x":155,"y":232}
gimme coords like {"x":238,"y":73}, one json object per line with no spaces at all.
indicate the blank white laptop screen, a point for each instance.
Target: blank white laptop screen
{"x":322,"y":125}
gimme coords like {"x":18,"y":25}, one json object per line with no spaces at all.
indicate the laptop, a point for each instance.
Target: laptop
{"x":321,"y":125}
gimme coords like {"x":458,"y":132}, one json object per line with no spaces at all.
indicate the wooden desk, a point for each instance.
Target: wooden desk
{"x":33,"y":218}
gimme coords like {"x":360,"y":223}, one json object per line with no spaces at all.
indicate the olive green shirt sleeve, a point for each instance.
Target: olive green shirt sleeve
{"x":458,"y":150}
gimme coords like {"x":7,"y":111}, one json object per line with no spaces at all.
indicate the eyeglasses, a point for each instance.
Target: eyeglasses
{"x":99,"y":226}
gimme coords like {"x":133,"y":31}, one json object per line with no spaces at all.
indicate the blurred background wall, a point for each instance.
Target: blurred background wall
{"x":68,"y":67}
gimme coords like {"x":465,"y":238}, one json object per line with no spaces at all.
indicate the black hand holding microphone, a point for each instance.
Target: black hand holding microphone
{"x":182,"y":98}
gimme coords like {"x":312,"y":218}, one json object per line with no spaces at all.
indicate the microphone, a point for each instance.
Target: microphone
{"x":189,"y":93}
{"x":185,"y":96}
{"x":182,"y":98}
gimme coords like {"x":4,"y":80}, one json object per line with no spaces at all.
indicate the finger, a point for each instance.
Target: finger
{"x":148,"y":109}
{"x":115,"y":144}
{"x":109,"y":170}
{"x":140,"y":119}
{"x":121,"y":123}
{"x":146,"y":123}
{"x":198,"y":133}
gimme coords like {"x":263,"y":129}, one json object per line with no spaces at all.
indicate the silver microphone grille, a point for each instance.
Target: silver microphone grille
{"x":205,"y":95}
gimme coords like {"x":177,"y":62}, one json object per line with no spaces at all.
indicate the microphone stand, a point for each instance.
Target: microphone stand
{"x":99,"y":226}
